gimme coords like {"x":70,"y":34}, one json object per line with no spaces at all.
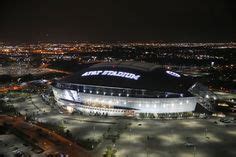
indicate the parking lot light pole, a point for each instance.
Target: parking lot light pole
{"x":205,"y":132}
{"x":194,"y":151}
{"x":129,"y":132}
{"x":94,"y":132}
{"x":147,"y":138}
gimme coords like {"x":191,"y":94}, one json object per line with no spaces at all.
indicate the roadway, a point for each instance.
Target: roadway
{"x":48,"y":140}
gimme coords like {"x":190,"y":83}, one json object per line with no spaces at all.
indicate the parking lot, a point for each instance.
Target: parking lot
{"x":141,"y":138}
{"x":153,"y":138}
{"x":178,"y":138}
{"x":10,"y":145}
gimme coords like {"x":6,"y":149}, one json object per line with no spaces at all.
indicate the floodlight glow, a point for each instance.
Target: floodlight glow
{"x":69,"y":109}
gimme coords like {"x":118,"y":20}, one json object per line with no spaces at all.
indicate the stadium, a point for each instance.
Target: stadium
{"x":128,"y":89}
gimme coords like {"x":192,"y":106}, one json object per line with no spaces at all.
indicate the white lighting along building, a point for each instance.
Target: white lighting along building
{"x":126,"y":89}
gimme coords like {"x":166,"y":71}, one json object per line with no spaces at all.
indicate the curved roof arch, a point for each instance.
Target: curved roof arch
{"x":134,"y":75}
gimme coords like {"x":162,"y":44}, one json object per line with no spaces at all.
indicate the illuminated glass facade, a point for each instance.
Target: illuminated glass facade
{"x":91,"y":99}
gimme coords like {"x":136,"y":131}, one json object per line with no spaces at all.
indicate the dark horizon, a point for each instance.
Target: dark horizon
{"x":113,"y":21}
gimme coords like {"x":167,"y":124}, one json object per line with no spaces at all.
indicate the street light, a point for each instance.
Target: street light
{"x":194,"y":151}
{"x":129,"y":132}
{"x":147,"y":138}
{"x":94,"y":132}
{"x":205,"y":132}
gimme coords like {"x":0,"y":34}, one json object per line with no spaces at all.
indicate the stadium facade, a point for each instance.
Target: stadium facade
{"x":126,"y":89}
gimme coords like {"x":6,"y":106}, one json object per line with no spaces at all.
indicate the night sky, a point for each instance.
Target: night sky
{"x":118,"y":20}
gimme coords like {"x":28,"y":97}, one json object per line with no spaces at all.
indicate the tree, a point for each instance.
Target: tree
{"x":110,"y":152}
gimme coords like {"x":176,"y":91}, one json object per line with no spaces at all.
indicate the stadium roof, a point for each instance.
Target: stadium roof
{"x":134,"y":75}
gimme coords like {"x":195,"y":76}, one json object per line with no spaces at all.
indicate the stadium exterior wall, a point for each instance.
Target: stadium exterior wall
{"x":119,"y":105}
